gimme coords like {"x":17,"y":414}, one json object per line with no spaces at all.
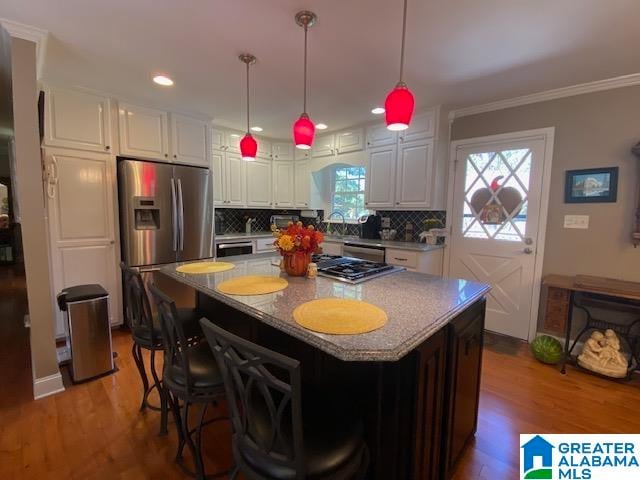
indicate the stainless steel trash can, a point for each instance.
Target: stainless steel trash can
{"x":88,"y":330}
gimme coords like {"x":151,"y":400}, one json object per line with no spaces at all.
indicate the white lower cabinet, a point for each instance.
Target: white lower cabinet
{"x":259,"y":183}
{"x":265,"y":245}
{"x":424,"y":262}
{"x":332,"y":248}
{"x":81,"y":211}
{"x":283,"y":175}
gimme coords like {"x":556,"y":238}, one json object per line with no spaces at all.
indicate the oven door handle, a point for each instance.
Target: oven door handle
{"x":223,"y":246}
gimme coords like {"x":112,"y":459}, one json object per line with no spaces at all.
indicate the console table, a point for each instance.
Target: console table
{"x":586,"y":292}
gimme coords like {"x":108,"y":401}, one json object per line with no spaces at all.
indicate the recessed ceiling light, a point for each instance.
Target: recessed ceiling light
{"x":256,"y":129}
{"x":321,"y":126}
{"x":163,"y":80}
{"x":378,"y":111}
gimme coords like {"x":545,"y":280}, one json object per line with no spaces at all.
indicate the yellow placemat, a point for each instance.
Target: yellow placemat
{"x":205,"y":267}
{"x":252,"y":285}
{"x":339,"y":316}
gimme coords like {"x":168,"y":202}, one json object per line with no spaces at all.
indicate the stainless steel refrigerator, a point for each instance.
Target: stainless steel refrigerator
{"x":166,"y":216}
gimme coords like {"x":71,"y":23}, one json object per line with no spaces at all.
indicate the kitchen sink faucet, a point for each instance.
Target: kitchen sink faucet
{"x":344,"y":223}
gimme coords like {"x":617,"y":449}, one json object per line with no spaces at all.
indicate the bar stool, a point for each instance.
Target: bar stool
{"x":190,"y":375}
{"x":272,"y":439}
{"x":146,"y":334}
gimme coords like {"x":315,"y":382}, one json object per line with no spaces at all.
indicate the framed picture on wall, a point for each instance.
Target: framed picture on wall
{"x":593,"y":185}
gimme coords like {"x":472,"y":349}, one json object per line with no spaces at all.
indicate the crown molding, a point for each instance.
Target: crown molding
{"x":579,"y":89}
{"x":33,"y":34}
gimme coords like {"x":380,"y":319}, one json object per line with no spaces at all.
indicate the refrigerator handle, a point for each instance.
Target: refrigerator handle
{"x":180,"y":217}
{"x":174,"y":216}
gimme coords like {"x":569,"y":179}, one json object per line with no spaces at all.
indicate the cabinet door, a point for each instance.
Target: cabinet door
{"x":264,"y":148}
{"x":380,"y":136}
{"x":350,"y":141}
{"x":323,"y":146}
{"x":235,"y":180}
{"x":218,"y":172}
{"x":463,"y":378}
{"x":259,"y":183}
{"x":189,"y":140}
{"x":232,"y":141}
{"x":302,"y":184}
{"x":81,"y":208}
{"x":422,"y":126}
{"x":282,"y":151}
{"x":283,"y":184}
{"x":414,"y":184}
{"x":217,"y":138}
{"x":380,"y":177}
{"x":143,"y":132}
{"x":77,"y":120}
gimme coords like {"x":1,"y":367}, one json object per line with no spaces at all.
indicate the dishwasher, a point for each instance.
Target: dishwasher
{"x":372,"y":253}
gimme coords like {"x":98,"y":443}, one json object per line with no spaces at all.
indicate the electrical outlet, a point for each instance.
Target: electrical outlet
{"x":576,"y":221}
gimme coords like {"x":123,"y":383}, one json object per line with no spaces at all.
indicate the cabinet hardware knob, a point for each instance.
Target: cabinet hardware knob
{"x":166,"y":155}
{"x":107,"y":147}
{"x":400,"y":259}
{"x":397,"y":203}
{"x":175,"y":156}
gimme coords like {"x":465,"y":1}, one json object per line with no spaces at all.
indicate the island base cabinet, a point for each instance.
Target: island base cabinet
{"x":463,"y":384}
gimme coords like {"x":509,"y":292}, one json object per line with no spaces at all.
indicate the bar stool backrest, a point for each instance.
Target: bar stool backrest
{"x":137,"y":308}
{"x":261,"y":384}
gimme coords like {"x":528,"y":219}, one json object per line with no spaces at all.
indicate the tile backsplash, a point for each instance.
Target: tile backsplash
{"x":233,"y":220}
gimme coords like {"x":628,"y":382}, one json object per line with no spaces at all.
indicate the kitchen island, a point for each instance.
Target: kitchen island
{"x":416,"y":379}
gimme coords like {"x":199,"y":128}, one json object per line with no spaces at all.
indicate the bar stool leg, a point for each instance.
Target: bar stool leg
{"x":188,"y":440}
{"x":136,"y":351}
{"x":200,"y":461}
{"x":164,"y":411}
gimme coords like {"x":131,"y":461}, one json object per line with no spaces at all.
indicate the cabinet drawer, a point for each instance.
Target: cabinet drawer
{"x":265,"y":244}
{"x":402,"y":258}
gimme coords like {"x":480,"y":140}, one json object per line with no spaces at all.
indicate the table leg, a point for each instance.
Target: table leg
{"x":567,"y":333}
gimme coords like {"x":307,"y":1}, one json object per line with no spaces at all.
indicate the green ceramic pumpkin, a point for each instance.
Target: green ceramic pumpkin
{"x":547,"y":349}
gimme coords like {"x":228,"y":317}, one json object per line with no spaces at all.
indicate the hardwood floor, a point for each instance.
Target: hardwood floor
{"x":94,"y":430}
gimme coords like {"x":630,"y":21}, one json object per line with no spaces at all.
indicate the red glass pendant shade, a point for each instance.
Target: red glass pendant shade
{"x":248,"y":147}
{"x":303,"y":131}
{"x":399,"y":108}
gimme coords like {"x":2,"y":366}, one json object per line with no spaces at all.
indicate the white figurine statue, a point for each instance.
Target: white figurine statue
{"x":601,"y":354}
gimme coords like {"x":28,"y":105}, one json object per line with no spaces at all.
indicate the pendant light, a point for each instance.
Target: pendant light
{"x":248,"y":144}
{"x":303,"y":128}
{"x":399,"y":103}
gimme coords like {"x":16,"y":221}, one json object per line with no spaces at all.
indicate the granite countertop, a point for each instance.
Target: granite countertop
{"x":225,"y":237}
{"x":417,"y":305}
{"x":419,"y":247}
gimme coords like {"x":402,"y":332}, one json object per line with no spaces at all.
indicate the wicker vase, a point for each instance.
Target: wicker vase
{"x":295,"y":264}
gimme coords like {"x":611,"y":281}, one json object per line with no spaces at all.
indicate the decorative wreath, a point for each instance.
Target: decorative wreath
{"x":492,"y":205}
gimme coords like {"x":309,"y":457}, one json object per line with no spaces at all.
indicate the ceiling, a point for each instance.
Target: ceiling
{"x":459,"y":53}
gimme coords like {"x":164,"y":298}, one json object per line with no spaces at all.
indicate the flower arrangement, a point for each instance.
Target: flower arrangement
{"x":296,"y":244}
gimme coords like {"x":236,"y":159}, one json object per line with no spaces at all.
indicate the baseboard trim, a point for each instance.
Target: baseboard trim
{"x":45,"y":386}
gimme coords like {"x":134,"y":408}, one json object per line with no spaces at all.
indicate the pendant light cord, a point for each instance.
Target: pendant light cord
{"x":304,"y":101}
{"x":404,"y":31}
{"x":247,"y":97}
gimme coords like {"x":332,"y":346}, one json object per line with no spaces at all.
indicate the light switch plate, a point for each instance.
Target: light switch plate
{"x":576,"y":221}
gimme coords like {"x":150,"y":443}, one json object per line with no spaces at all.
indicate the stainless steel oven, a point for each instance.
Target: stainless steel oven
{"x":371,"y":253}
{"x":230,"y":249}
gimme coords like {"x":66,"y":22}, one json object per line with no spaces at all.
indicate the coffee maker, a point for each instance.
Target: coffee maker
{"x":370,"y":226}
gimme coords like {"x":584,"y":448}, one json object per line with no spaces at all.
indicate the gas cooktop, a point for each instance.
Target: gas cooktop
{"x":351,"y":270}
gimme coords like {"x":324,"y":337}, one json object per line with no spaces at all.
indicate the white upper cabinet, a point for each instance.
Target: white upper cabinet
{"x":143,"y":132}
{"x":423,"y":125}
{"x":282,"y":151}
{"x":302,"y":184}
{"x":380,"y":136}
{"x":77,"y":120}
{"x":235,"y":180}
{"x":216,"y":136}
{"x":189,"y":140}
{"x":232,"y":141}
{"x":283,"y":174}
{"x":324,"y":146}
{"x":380,"y":177}
{"x":350,"y":141}
{"x":414,"y":174}
{"x":259,"y":183}
{"x":218,"y":172}
{"x":264,"y":148}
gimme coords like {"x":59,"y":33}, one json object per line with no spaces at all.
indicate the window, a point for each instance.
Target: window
{"x":347,"y":193}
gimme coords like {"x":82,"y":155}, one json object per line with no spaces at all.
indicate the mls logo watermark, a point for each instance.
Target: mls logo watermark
{"x":579,"y":457}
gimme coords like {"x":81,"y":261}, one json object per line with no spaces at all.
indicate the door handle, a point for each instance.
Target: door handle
{"x":528,"y":251}
{"x":174,"y":216}
{"x":180,"y":216}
